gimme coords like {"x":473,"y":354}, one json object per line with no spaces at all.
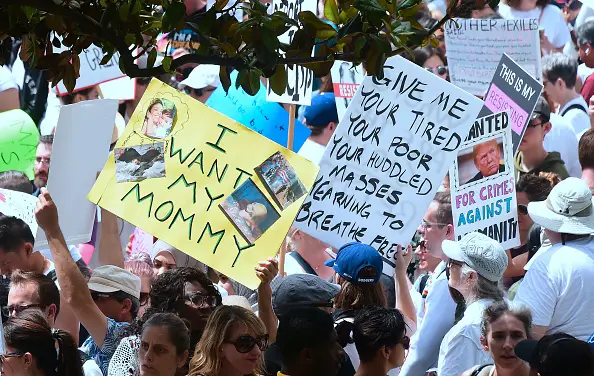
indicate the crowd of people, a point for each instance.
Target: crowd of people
{"x":128,"y":303}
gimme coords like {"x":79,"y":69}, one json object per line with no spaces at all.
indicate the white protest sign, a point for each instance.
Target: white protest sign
{"x":238,"y":12}
{"x":20,"y":205}
{"x":91,"y":72}
{"x":482,"y":182}
{"x":387,"y":159}
{"x":122,"y":89}
{"x":475,"y":47}
{"x":81,"y":147}
{"x":346,"y":80}
{"x":299,"y":79}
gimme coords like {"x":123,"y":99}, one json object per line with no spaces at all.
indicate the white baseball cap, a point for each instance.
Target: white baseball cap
{"x":483,"y":254}
{"x":202,"y":76}
{"x":110,"y":278}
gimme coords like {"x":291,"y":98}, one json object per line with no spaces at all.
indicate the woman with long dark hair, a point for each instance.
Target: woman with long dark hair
{"x":34,"y":349}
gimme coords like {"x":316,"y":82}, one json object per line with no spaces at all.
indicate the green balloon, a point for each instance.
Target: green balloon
{"x":18,"y":142}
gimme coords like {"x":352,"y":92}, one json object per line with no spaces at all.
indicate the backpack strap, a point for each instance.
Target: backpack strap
{"x":84,"y":357}
{"x":301,"y":261}
{"x":481,"y":370}
{"x":575,"y":106}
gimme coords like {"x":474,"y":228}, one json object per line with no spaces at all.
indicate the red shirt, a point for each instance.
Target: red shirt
{"x":588,"y":88}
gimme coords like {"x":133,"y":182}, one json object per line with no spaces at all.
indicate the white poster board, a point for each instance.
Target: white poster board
{"x":81,"y":147}
{"x":20,"y":205}
{"x":299,"y":79}
{"x":345,"y":80}
{"x":91,"y":72}
{"x":482,"y":182}
{"x":122,"y":89}
{"x":475,"y":46}
{"x":387,"y":158}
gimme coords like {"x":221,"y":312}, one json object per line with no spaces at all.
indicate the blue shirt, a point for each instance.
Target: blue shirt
{"x":102,"y":355}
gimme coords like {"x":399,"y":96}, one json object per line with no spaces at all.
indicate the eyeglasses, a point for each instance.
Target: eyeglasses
{"x":426,"y":224}
{"x":7,"y":311}
{"x":198,"y":92}
{"x":3,"y":357}
{"x":201,"y":301}
{"x":45,"y":161}
{"x":100,"y":295}
{"x":144,"y":298}
{"x":523,"y":209}
{"x":450,"y":264}
{"x":245,"y":344}
{"x":440,"y":70}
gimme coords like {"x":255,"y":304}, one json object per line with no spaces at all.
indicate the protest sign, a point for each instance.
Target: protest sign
{"x":387,"y":159}
{"x":482,"y":182}
{"x":211,"y":204}
{"x":122,"y":89}
{"x":18,"y":142}
{"x":20,"y":205}
{"x":514,"y":91}
{"x":475,"y":46}
{"x":81,"y":146}
{"x":346,"y":80}
{"x":299,"y":79}
{"x":269,"y":119}
{"x":91,"y":72}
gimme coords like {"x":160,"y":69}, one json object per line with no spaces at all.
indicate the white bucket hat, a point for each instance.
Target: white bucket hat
{"x":567,"y":210}
{"x":203,"y":76}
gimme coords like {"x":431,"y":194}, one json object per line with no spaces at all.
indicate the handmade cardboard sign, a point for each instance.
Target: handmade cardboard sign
{"x":299,"y":79}
{"x":514,"y":91}
{"x":346,"y":80}
{"x":18,"y":142}
{"x":387,"y":158}
{"x":211,"y":203}
{"x":475,"y":46}
{"x":20,"y":205}
{"x":482,"y":182}
{"x":269,"y":119}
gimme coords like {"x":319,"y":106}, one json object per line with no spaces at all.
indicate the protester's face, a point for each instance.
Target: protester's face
{"x":13,"y":260}
{"x":16,"y":365}
{"x":533,"y":136}
{"x":328,"y":357}
{"x":427,"y":263}
{"x":586,"y":54}
{"x":111,"y":307}
{"x":433,"y":235}
{"x":156,"y":113}
{"x":434,"y":63}
{"x":524,"y":220}
{"x":163,"y":262}
{"x":487,"y":157}
{"x":42,"y":163}
{"x":25,"y":295}
{"x":232,"y":359}
{"x":502,"y":338}
{"x":554,"y":91}
{"x":203,"y":94}
{"x":196,"y":314}
{"x":145,"y":289}
{"x":455,"y":278}
{"x":157,"y":354}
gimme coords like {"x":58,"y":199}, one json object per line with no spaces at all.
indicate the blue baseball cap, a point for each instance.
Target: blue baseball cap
{"x":352,"y":258}
{"x":322,"y":110}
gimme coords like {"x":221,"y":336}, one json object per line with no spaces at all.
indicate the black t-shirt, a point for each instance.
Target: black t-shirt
{"x":273,"y":361}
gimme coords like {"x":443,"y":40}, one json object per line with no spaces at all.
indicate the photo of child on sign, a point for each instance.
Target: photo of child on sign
{"x":249,"y":211}
{"x":481,"y":161}
{"x":281,"y":180}
{"x":158,"y":121}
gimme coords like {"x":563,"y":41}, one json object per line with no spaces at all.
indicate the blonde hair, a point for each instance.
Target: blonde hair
{"x":259,"y":212}
{"x":206,"y":360}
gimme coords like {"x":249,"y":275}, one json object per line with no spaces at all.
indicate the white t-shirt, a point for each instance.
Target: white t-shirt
{"x":559,"y":290}
{"x":7,"y":80}
{"x":578,"y":119}
{"x":312,"y":150}
{"x":563,"y":139}
{"x":71,"y":248}
{"x":552,"y":22}
{"x":90,"y":368}
{"x":461,"y":348}
{"x":586,"y":14}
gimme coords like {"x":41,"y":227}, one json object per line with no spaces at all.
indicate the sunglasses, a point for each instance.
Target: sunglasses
{"x":523,"y":209}
{"x":440,"y":70}
{"x":201,"y":301}
{"x":7,"y":311}
{"x":245,"y":344}
{"x":100,"y":295}
{"x":198,"y":92}
{"x":449,"y":265}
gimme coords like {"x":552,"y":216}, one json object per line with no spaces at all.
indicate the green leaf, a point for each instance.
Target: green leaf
{"x":359,"y":45}
{"x":152,"y":57}
{"x":370,"y":6}
{"x":331,"y":11}
{"x":242,"y":78}
{"x":310,"y":20}
{"x":278,"y":81}
{"x":106,"y":58}
{"x":174,"y":14}
{"x":124,"y":11}
{"x":254,"y":81}
{"x":221,"y":4}
{"x":225,"y":77}
{"x":348,"y":15}
{"x":29,"y":12}
{"x":167,"y":60}
{"x":410,"y":11}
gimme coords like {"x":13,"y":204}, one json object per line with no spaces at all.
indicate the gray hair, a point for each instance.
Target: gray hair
{"x":483,"y":289}
{"x":497,"y":309}
{"x":558,"y":66}
{"x":585,"y":33}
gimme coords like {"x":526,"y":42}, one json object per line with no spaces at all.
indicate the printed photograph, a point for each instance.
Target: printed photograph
{"x":137,"y":163}
{"x":481,"y":161}
{"x":159,"y":118}
{"x":281,"y":180}
{"x":250,"y":211}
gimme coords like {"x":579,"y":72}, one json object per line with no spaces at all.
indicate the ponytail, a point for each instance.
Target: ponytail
{"x":344,"y":331}
{"x":69,"y":361}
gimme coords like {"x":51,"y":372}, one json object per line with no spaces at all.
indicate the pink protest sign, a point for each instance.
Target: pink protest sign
{"x":498,"y":101}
